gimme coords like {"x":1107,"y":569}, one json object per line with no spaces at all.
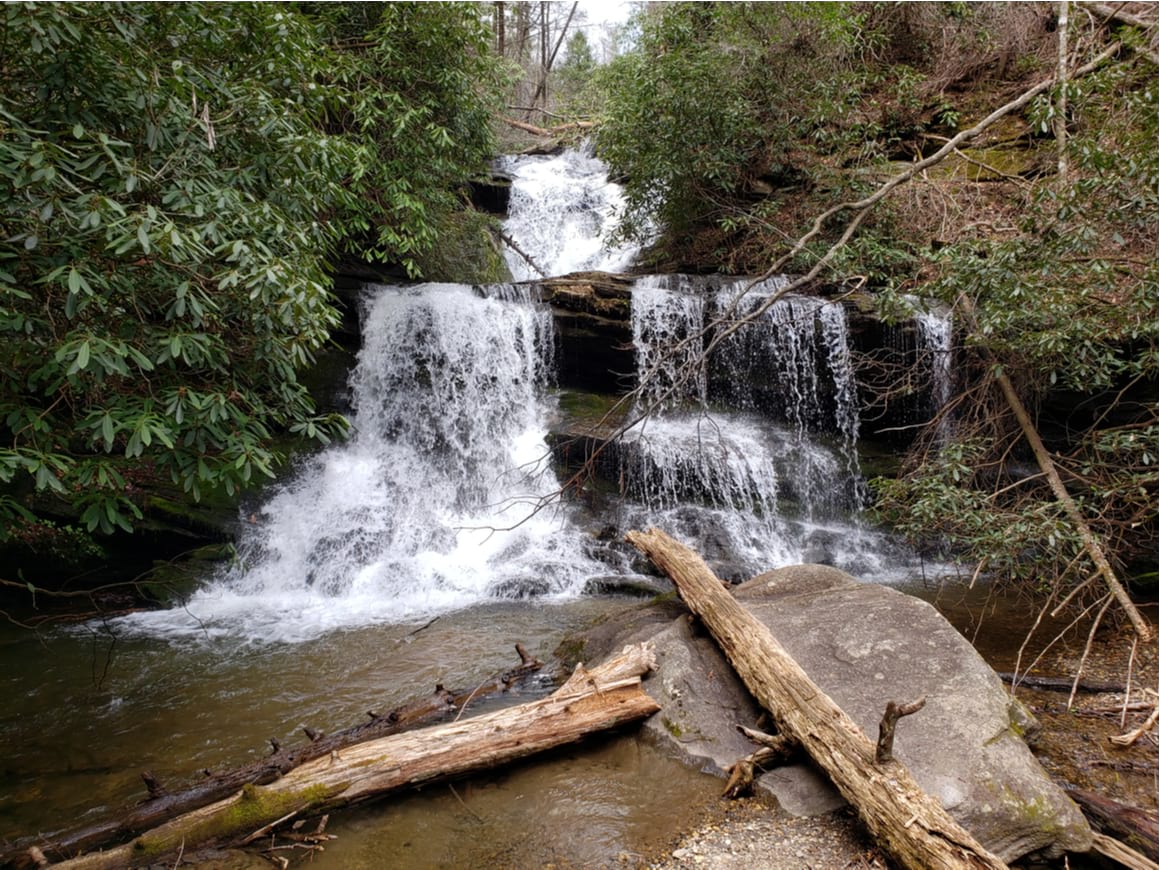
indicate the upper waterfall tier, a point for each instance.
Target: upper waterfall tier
{"x":562,"y":214}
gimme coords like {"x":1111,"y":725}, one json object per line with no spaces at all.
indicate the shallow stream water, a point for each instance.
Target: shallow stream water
{"x":85,"y":714}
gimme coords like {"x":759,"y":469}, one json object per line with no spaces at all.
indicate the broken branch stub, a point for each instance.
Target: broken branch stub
{"x":884,"y":752}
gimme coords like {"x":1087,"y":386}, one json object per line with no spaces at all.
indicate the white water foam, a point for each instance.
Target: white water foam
{"x":749,"y":495}
{"x":431,"y":505}
{"x":667,"y":320}
{"x":562,"y":213}
{"x":935,"y":330}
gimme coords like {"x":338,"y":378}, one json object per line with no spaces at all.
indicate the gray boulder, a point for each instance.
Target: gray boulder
{"x":865,"y":645}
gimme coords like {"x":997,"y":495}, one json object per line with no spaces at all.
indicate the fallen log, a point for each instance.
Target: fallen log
{"x":160,"y":806}
{"x":1060,"y":684}
{"x":590,"y":701}
{"x":908,"y":823}
{"x":1136,"y":827}
{"x":1113,"y":849}
{"x":549,"y":131}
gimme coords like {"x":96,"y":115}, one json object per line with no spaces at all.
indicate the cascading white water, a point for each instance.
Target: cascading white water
{"x":796,"y":352}
{"x":666,"y":326}
{"x":444,"y":495}
{"x":431,"y":505}
{"x":935,"y":333}
{"x":750,"y":491}
{"x":748,"y":494}
{"x":562,"y":213}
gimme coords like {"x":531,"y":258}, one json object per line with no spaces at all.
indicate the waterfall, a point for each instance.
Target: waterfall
{"x":432,"y":504}
{"x":446,"y":495}
{"x":562,"y":213}
{"x":792,"y":361}
{"x":753,"y":457}
{"x":666,"y":322}
{"x":935,"y":332}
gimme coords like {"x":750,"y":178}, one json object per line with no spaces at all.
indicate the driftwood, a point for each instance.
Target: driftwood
{"x":771,"y":749}
{"x":161,"y":806}
{"x":884,"y":750}
{"x":908,"y":823}
{"x":1111,"y":848}
{"x":590,"y":701}
{"x":1135,"y":827}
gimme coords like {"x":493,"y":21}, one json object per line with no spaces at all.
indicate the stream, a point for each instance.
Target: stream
{"x":422,"y":549}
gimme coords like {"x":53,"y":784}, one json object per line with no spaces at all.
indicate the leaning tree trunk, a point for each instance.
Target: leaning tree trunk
{"x":590,"y":701}
{"x":1091,"y":542}
{"x":904,"y":820}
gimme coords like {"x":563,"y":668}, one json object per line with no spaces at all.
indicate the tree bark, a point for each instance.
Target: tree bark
{"x":590,"y":701}
{"x":1136,"y":827}
{"x":904,"y":820}
{"x":500,"y":34}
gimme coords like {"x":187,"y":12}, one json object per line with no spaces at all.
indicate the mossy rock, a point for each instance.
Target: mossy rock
{"x":468,"y":252}
{"x":989,"y":164}
{"x":172,"y":582}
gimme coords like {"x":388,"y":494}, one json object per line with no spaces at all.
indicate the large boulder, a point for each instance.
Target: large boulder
{"x":865,"y":645}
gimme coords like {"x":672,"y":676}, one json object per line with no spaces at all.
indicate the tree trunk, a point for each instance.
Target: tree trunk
{"x":500,"y":41}
{"x":542,"y":89}
{"x":904,"y":820}
{"x":161,"y":805}
{"x":1060,"y":124}
{"x":590,"y":701}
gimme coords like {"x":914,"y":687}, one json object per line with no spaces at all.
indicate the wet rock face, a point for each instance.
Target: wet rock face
{"x":865,"y":645}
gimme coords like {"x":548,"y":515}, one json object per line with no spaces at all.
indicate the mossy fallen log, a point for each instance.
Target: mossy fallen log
{"x":590,"y":701}
{"x":163,"y":805}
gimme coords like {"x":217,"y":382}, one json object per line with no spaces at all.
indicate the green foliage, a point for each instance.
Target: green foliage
{"x":468,"y":252}
{"x":572,"y":78}
{"x":750,"y":116}
{"x":173,"y":181}
{"x":735,"y":123}
{"x":1014,"y":539}
{"x":1066,"y":306}
{"x":712,"y":95}
{"x":418,"y":87}
{"x":1072,"y":298}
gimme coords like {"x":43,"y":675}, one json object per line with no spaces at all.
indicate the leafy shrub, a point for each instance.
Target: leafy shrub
{"x":174,"y":179}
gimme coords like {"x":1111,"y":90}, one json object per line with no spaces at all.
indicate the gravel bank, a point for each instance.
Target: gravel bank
{"x":750,"y":834}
